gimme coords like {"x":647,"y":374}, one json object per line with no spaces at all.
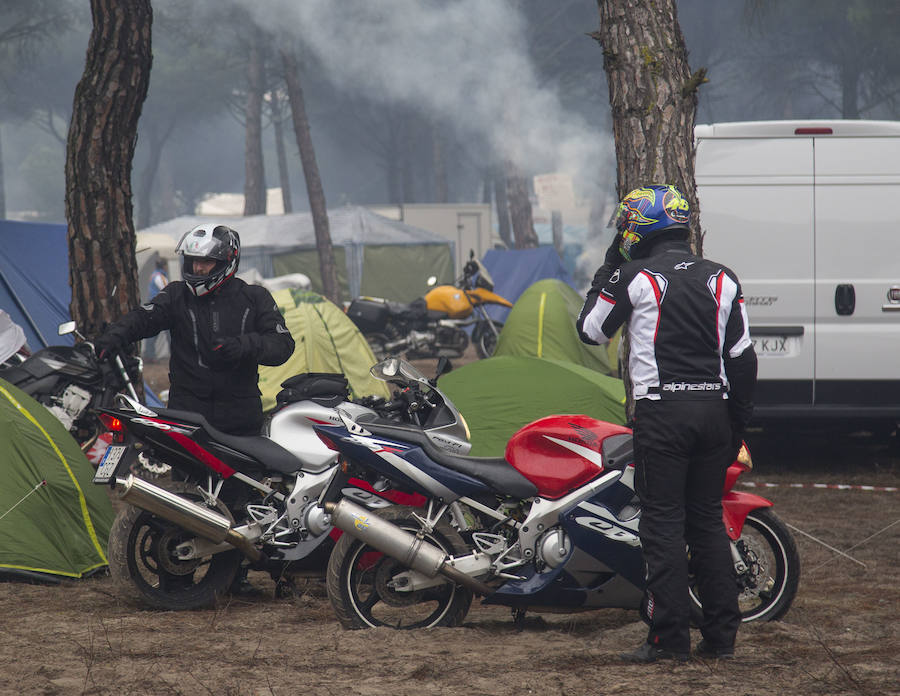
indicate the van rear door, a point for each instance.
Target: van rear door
{"x":857,"y":199}
{"x":756,"y":207}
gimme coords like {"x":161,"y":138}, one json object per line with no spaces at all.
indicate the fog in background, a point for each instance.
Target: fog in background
{"x":387,"y":81}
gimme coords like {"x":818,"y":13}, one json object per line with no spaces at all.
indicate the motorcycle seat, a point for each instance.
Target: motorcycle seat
{"x":495,"y":472}
{"x":256,"y":450}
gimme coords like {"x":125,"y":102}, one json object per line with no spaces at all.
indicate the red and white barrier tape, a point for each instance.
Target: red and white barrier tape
{"x":836,"y":486}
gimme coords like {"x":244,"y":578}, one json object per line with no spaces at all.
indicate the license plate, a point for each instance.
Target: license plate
{"x":109,"y":463}
{"x":774,"y":346}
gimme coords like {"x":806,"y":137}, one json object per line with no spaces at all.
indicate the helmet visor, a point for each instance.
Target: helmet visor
{"x":201,"y":242}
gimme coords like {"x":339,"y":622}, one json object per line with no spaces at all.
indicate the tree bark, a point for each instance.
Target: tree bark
{"x":99,"y":157}
{"x":653,"y":97}
{"x":439,"y":162}
{"x":502,"y":200}
{"x":144,"y":194}
{"x":523,"y":232}
{"x":254,"y":171}
{"x":314,"y":190}
{"x":284,"y":179}
{"x":2,"y":182}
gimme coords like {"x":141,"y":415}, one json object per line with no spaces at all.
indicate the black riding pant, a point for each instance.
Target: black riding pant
{"x":682,"y":450}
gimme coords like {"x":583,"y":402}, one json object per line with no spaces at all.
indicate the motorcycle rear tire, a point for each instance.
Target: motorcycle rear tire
{"x":355,"y":571}
{"x":775,"y":569}
{"x":485,"y":340}
{"x":138,"y":570}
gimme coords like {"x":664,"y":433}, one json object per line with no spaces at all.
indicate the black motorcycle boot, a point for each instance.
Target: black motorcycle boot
{"x":713,"y":652}
{"x":646,"y":654}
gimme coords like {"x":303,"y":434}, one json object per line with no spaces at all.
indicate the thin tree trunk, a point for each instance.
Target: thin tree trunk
{"x":144,"y":193}
{"x":255,"y":175}
{"x":281,"y":154}
{"x":2,"y":182}
{"x":502,"y":200}
{"x":439,"y":162}
{"x":314,"y":190}
{"x":99,"y":158}
{"x":520,"y":209}
{"x":653,"y":97}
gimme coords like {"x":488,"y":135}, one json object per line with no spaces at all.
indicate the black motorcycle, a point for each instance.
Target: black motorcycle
{"x":72,"y":383}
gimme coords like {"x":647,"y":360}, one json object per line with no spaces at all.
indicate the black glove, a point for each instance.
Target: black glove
{"x":110,"y":344}
{"x":613,"y":255}
{"x":226,"y":352}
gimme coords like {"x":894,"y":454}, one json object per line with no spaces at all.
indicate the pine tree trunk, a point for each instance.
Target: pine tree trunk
{"x":502,"y":200}
{"x":523,"y":232}
{"x":653,"y":97}
{"x":439,"y":162}
{"x":284,"y":179}
{"x":254,"y":171}
{"x":2,"y":182}
{"x":99,"y":157}
{"x":314,"y":190}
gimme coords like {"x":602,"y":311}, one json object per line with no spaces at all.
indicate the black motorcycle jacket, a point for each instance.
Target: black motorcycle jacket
{"x":228,"y":396}
{"x":687,"y":325}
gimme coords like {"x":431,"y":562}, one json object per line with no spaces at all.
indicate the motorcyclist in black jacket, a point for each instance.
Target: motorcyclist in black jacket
{"x":693,"y":372}
{"x":221,"y":330}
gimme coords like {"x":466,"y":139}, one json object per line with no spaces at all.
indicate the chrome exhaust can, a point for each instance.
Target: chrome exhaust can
{"x":187,"y":514}
{"x":397,"y":543}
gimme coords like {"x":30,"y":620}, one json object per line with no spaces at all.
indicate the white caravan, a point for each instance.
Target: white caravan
{"x":807,"y":213}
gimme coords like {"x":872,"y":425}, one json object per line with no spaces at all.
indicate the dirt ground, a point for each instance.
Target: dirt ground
{"x":840,"y":637}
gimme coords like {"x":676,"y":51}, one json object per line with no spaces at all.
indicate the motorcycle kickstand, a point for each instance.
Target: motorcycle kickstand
{"x":519,"y":618}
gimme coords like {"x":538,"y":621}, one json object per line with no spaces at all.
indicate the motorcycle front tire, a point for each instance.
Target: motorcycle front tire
{"x":145,"y":572}
{"x":359,"y":580}
{"x":768,"y":549}
{"x":485,"y":339}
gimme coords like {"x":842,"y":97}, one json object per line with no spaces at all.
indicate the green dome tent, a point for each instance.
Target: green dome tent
{"x":499,"y":395}
{"x":327,"y":341}
{"x":53,"y":520}
{"x":541,"y":324}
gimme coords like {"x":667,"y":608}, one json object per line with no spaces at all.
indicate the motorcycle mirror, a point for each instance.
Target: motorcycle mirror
{"x":443,"y":367}
{"x":432,"y":280}
{"x":66,"y":328}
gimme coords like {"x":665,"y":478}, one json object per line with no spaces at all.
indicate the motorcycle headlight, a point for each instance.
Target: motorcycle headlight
{"x":465,"y":427}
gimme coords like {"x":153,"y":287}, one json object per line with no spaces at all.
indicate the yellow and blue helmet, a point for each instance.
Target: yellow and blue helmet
{"x":647,"y":212}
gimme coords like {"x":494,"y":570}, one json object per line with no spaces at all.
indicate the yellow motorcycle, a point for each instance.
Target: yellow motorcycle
{"x":436,"y":325}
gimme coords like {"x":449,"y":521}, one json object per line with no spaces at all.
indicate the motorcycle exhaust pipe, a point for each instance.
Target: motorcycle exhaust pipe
{"x":193,"y":517}
{"x":407,"y":548}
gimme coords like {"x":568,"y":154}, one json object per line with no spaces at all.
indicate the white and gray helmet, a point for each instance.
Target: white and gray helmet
{"x":209,"y":241}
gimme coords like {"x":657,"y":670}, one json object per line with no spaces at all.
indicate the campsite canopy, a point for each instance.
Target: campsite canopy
{"x":542,"y":324}
{"x":499,"y":395}
{"x":374,"y":255}
{"x":53,"y":520}
{"x":34,"y":280}
{"x":326,"y":341}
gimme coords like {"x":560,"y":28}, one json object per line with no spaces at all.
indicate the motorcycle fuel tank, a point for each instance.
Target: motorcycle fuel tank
{"x":449,"y":299}
{"x":560,"y":453}
{"x":292,"y":428}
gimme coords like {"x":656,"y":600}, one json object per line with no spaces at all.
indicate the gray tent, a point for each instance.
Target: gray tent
{"x":375,"y":255}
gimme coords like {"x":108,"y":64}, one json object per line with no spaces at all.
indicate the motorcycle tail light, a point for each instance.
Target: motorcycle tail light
{"x":113,"y":424}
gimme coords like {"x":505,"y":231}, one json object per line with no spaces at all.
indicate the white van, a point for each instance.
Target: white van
{"x":807,"y":213}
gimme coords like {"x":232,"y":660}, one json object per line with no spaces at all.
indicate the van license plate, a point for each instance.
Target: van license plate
{"x":109,"y":462}
{"x":771,"y":346}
